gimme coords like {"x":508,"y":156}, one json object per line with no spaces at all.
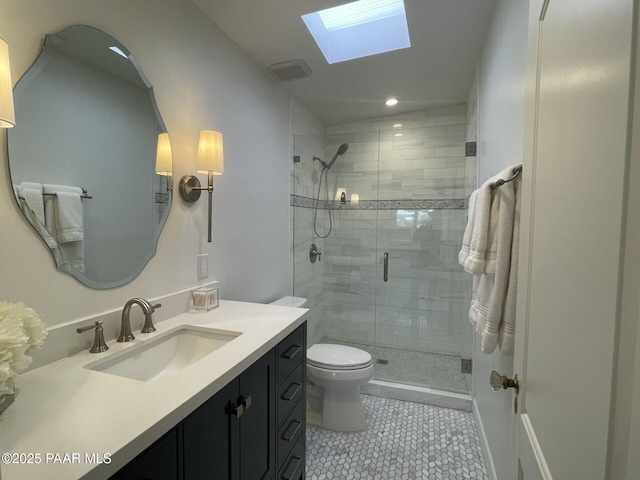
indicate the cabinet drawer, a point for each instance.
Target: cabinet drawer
{"x":291,"y":430}
{"x":293,"y":466}
{"x":291,"y":351}
{"x":291,"y":390}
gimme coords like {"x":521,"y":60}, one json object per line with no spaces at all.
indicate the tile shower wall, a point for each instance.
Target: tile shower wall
{"x":410,"y":185}
{"x":307,"y":140}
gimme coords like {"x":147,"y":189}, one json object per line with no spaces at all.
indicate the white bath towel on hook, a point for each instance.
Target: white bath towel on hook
{"x":493,"y":299}
{"x":472,"y":255}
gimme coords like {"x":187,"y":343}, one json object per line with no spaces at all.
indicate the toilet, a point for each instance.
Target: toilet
{"x":335,"y":374}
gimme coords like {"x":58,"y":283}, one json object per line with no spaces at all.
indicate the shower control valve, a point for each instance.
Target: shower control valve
{"x":314,"y":253}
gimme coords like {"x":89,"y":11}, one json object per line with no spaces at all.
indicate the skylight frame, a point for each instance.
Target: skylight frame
{"x":381,"y":28}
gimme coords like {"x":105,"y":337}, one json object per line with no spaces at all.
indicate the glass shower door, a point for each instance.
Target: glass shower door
{"x":404,"y":202}
{"x":421,"y":329}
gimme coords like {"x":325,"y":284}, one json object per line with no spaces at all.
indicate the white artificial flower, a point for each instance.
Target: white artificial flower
{"x":20,"y":329}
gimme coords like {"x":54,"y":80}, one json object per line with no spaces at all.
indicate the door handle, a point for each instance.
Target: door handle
{"x":499,"y":382}
{"x":385,"y":274}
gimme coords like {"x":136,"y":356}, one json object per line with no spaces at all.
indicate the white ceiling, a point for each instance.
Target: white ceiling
{"x":446,"y":38}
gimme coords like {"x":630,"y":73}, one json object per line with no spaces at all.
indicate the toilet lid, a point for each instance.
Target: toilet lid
{"x":337,"y":357}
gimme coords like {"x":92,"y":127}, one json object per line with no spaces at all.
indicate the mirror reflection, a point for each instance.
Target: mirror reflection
{"x":83,"y":155}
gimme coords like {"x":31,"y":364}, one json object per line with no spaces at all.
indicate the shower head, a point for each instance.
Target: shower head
{"x":341,"y":149}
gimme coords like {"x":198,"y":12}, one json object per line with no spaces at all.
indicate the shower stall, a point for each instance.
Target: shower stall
{"x":388,"y":223}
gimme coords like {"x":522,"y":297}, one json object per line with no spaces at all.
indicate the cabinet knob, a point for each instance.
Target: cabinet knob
{"x":238,"y":410}
{"x":245,"y":401}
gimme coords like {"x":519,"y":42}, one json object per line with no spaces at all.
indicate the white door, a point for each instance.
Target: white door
{"x":573,"y":188}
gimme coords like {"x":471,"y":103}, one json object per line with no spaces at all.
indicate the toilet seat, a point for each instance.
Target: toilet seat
{"x":337,"y":357}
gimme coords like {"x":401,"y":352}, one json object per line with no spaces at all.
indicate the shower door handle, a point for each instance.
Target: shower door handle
{"x":385,"y":274}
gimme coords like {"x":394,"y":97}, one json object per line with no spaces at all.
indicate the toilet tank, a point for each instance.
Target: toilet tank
{"x":291,"y":301}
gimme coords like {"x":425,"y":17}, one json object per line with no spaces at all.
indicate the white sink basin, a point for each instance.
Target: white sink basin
{"x":165,"y":354}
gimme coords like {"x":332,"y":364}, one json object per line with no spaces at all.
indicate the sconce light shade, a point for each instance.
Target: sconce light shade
{"x":210,"y":160}
{"x":7,"y":114}
{"x":164,"y":163}
{"x":210,"y":157}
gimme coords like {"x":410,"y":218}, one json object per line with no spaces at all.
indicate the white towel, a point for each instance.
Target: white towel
{"x":474,"y":261}
{"x":506,"y":337}
{"x":68,"y":215}
{"x":37,"y":220}
{"x":32,"y":193}
{"x":468,"y":231}
{"x":489,"y":297}
{"x":64,"y":218}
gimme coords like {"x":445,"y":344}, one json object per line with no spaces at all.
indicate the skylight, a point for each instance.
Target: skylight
{"x":359,"y":29}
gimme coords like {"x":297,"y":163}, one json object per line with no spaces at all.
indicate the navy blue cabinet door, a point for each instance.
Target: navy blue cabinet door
{"x":258,"y":422}
{"x":159,"y":462}
{"x":207,"y":437}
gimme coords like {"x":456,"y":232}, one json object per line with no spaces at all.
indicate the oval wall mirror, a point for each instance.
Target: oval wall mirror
{"x":82,"y":157}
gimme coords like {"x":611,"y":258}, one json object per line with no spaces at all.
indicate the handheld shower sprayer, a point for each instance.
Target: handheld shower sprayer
{"x":341,"y":149}
{"x":325,"y":168}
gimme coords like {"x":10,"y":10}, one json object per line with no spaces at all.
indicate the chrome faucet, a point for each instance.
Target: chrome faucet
{"x":125,"y":326}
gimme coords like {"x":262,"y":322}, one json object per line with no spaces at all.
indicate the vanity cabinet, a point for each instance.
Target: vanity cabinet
{"x":291,"y":405}
{"x":231,"y":435}
{"x":252,"y":429}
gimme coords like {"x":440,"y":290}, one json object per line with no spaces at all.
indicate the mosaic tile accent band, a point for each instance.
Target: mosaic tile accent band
{"x":445,"y":204}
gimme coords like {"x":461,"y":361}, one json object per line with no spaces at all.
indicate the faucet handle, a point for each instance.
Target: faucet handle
{"x":148,"y":326}
{"x":99,"y":344}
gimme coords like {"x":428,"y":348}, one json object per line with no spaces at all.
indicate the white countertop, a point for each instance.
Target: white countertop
{"x":64,"y":409}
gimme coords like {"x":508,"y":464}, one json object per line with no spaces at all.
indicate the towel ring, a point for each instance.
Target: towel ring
{"x":516,"y":171}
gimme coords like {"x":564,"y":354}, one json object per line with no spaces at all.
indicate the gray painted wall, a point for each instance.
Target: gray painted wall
{"x":201,"y":81}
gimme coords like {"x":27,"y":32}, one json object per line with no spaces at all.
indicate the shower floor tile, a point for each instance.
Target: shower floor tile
{"x":432,"y":370}
{"x":403,"y":441}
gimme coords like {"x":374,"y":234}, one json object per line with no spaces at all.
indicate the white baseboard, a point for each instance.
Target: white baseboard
{"x":488,"y":459}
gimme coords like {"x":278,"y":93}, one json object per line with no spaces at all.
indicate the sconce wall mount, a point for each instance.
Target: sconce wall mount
{"x":210,"y":160}
{"x":190,"y":188}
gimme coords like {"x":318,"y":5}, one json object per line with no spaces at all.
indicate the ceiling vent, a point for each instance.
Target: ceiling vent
{"x":291,"y":70}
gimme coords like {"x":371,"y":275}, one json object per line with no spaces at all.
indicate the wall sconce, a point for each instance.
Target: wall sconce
{"x":7,"y":114}
{"x":164,"y":162}
{"x":355,"y":198}
{"x":210,"y":160}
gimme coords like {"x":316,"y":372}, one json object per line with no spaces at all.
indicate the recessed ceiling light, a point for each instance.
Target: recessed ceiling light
{"x":398,"y":134}
{"x":390,"y":102}
{"x":397,"y":125}
{"x":359,"y":29}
